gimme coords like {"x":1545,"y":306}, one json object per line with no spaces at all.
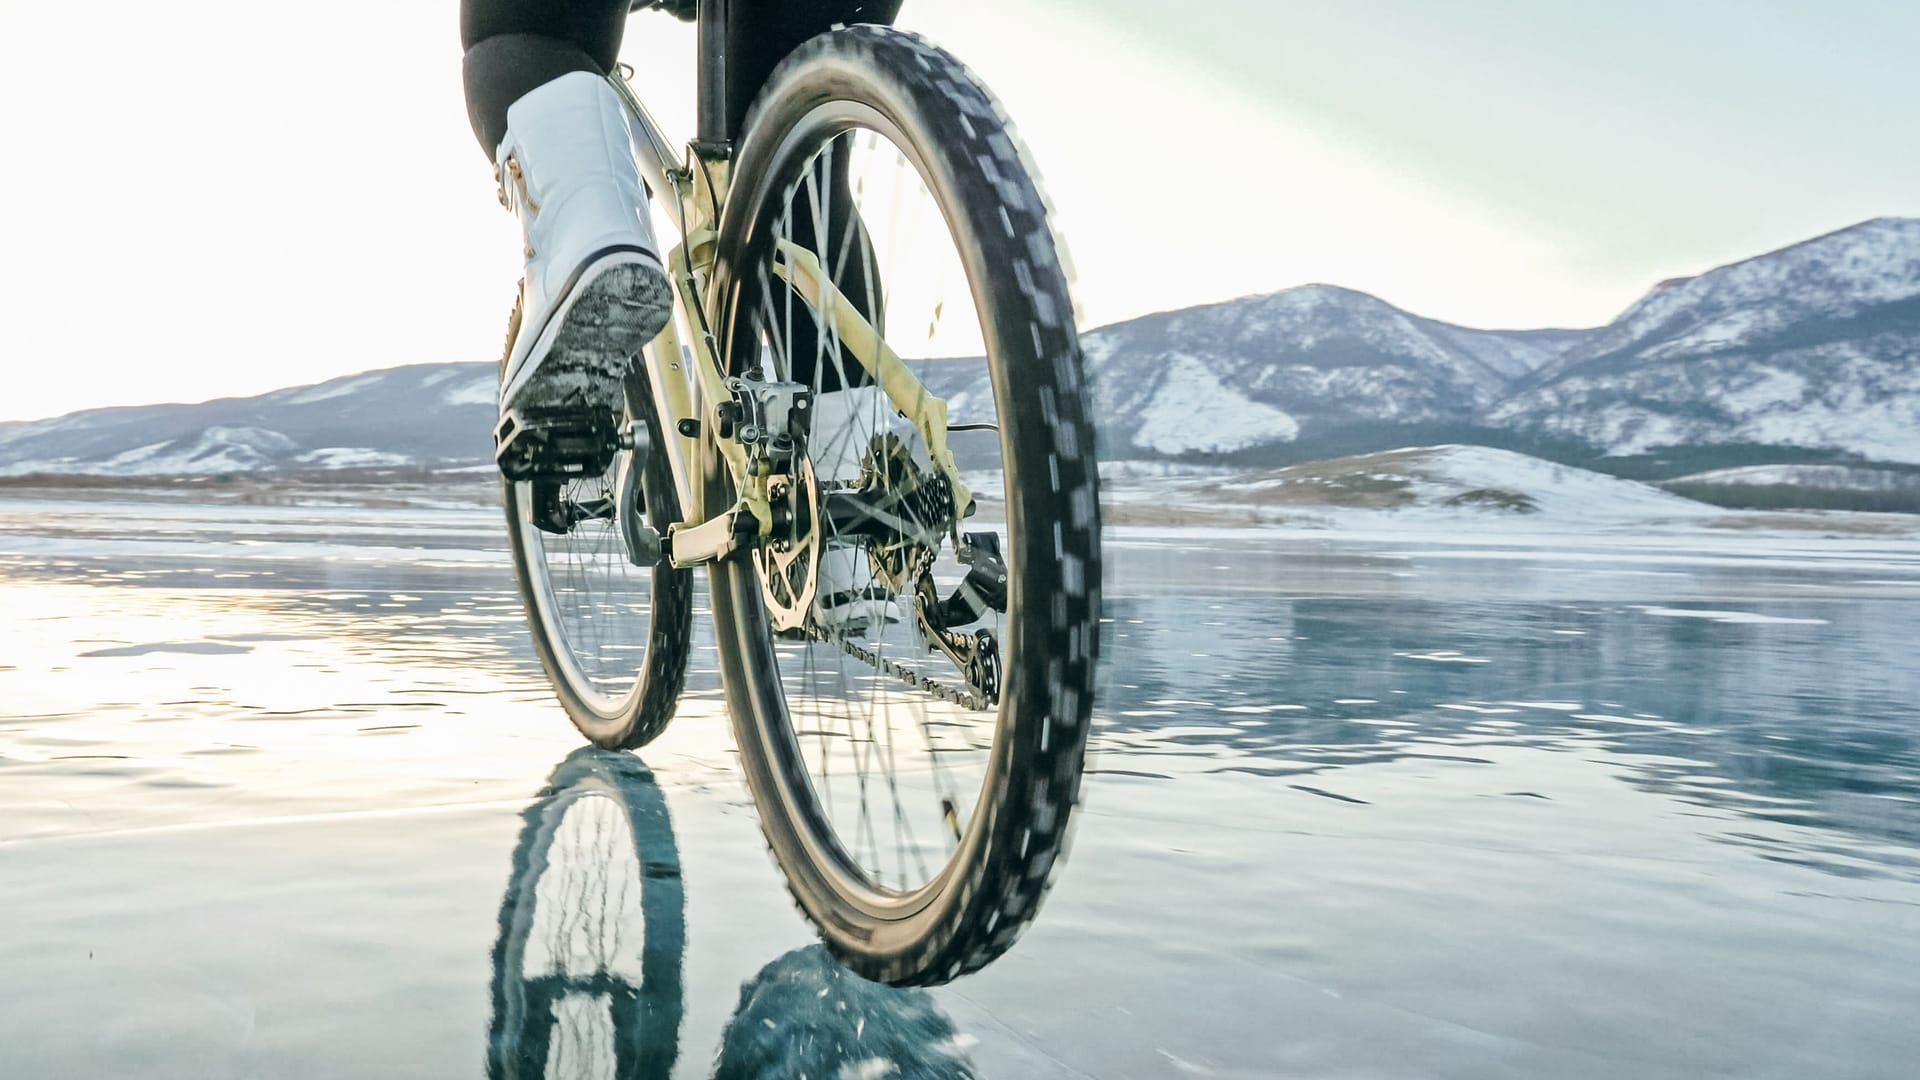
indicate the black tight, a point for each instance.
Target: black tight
{"x":513,"y":46}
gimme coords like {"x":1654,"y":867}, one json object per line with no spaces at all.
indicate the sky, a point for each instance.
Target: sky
{"x":228,"y":197}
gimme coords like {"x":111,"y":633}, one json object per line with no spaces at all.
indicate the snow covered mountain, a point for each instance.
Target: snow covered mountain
{"x":1806,"y":355}
{"x":1814,"y":345}
{"x":1293,"y":366}
{"x":424,"y":415}
{"x":1302,"y":362}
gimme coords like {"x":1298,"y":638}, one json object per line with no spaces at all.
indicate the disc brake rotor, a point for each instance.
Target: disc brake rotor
{"x":789,"y":564}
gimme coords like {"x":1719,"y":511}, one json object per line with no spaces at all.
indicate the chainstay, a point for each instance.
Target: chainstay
{"x":966,"y":699}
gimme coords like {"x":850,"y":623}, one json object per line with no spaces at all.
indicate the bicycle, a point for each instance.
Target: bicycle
{"x":872,"y":225}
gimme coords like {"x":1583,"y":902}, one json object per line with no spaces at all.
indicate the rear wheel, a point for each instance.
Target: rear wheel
{"x":914,"y":773}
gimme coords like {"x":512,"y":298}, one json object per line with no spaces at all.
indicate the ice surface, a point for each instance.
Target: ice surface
{"x":1590,"y":834}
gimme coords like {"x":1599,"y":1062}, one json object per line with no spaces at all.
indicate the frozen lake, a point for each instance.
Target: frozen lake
{"x":275,"y":782}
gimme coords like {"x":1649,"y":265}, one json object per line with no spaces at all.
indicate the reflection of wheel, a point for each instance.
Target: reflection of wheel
{"x":916,"y":823}
{"x":612,"y":635}
{"x":586,"y":970}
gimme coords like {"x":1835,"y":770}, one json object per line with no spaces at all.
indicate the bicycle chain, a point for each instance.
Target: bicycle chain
{"x":966,"y":699}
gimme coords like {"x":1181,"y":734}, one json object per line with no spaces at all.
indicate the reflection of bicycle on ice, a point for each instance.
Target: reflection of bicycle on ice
{"x":587,"y":978}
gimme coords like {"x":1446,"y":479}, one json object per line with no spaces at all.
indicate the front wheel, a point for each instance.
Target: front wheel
{"x":910,"y":674}
{"x":612,"y":630}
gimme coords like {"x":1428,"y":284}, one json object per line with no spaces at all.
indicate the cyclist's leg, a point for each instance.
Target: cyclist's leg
{"x":594,"y":292}
{"x":515,"y":46}
{"x":763,"y":32}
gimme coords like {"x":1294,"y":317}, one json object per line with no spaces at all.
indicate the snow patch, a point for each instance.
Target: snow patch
{"x":351,"y":457}
{"x":215,"y":450}
{"x":128,"y":458}
{"x":1194,"y":411}
{"x":1730,"y":329}
{"x":481,"y":391}
{"x":1767,"y":388}
{"x":1562,"y":491}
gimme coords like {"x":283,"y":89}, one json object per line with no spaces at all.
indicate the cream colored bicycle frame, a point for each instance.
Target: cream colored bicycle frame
{"x":688,"y":381}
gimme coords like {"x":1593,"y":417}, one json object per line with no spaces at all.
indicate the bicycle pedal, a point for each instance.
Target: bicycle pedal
{"x":554,"y":443}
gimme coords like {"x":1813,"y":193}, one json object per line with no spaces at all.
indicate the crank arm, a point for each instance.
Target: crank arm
{"x":640,"y":540}
{"x":713,"y":539}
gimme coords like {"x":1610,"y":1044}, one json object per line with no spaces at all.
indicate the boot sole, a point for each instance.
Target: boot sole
{"x":615,"y":309}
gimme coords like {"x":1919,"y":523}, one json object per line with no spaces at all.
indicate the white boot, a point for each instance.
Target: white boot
{"x":843,"y":426}
{"x":594,"y":292}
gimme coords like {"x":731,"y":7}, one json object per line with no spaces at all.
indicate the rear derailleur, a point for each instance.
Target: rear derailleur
{"x":976,"y":655}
